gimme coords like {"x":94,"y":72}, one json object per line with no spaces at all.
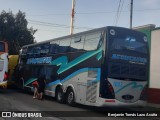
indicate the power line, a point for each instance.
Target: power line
{"x":117,"y":13}
{"x":98,"y":12}
{"x":55,"y":25}
{"x":53,"y":30}
{"x":104,"y":12}
{"x":120,"y":10}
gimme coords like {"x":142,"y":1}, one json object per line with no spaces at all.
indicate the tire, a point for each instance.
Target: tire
{"x":20,"y":85}
{"x":59,"y":95}
{"x":70,"y":97}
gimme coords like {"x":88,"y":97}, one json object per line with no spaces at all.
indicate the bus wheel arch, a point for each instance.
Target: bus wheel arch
{"x":59,"y":94}
{"x":70,"y":96}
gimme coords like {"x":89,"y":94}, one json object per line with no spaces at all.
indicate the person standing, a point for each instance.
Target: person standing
{"x":35,"y":85}
{"x":42,"y":83}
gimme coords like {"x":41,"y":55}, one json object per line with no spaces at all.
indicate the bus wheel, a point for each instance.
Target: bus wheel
{"x":70,"y":97}
{"x":60,"y":95}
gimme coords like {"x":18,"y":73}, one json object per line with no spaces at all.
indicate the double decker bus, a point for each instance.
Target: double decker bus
{"x":3,"y":64}
{"x":100,"y":67}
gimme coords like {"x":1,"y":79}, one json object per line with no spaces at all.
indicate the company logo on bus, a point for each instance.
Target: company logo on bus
{"x":42,"y":60}
{"x":118,"y":84}
{"x":127,"y":97}
{"x":129,"y":58}
{"x":112,"y":32}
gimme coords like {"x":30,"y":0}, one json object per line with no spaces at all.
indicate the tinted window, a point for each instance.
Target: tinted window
{"x":35,"y":71}
{"x":24,"y":51}
{"x":2,"y":47}
{"x":54,"y":47}
{"x":129,"y":43}
{"x":127,"y":40}
{"x":30,"y":50}
{"x":48,"y":72}
{"x":38,"y":49}
{"x":77,"y":44}
{"x":92,"y":41}
{"x":64,"y":45}
{"x":44,"y":49}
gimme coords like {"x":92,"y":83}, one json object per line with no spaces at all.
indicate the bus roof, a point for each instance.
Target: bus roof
{"x":68,"y":36}
{"x":76,"y":34}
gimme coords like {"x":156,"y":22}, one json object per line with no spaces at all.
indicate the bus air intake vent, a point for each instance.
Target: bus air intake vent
{"x":127,"y":70}
{"x":115,"y":69}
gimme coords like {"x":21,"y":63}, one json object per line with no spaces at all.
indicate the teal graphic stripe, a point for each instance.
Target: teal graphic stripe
{"x":30,"y":81}
{"x":74,"y":74}
{"x":99,"y":56}
{"x":132,"y":84}
{"x":65,"y":65}
{"x":68,"y":77}
{"x":53,"y":83}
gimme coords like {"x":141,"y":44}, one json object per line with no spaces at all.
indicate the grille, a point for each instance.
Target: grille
{"x":91,"y":92}
{"x":127,"y":69}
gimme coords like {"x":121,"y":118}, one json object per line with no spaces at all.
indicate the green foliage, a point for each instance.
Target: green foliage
{"x":13,"y":29}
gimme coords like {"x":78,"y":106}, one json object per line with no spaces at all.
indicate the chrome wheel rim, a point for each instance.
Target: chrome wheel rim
{"x":70,"y":97}
{"x":59,"y":96}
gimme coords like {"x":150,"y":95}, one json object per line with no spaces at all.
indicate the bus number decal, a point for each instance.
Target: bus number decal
{"x":118,"y":84}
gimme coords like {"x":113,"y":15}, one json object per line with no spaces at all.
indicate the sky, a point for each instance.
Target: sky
{"x":52,"y":17}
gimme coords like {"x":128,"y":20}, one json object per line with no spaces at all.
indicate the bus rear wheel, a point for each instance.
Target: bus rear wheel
{"x":70,"y":97}
{"x":59,"y":95}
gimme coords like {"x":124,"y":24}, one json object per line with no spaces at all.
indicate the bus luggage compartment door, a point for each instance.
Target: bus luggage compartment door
{"x":81,"y":92}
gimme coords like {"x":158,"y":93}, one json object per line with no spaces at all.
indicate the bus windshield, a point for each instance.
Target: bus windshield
{"x":128,"y":55}
{"x":129,"y":43}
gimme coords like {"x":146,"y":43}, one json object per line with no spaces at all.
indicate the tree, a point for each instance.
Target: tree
{"x":13,"y":29}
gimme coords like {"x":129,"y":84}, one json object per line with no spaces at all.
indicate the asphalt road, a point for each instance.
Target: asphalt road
{"x":15,"y":100}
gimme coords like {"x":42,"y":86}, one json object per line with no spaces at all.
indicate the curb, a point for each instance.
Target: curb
{"x":154,"y":105}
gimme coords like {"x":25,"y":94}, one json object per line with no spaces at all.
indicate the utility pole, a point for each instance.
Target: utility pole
{"x":72,"y":17}
{"x":131,"y":14}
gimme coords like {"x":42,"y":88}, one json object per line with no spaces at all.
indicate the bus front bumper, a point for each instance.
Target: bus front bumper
{"x":114,"y":102}
{"x":3,"y":84}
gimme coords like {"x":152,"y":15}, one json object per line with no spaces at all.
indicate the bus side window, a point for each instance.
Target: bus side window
{"x":44,"y":49}
{"x":30,"y":50}
{"x":54,"y":46}
{"x":64,"y":46}
{"x":48,"y":72}
{"x":100,"y":43}
{"x":37,"y":50}
{"x":35,"y":71}
{"x":77,"y":44}
{"x":24,"y":51}
{"x":92,"y":41}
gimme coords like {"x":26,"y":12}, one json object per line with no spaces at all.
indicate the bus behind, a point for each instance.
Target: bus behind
{"x":3,"y":64}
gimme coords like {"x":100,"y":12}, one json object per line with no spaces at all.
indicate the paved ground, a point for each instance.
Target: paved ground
{"x":14,"y":100}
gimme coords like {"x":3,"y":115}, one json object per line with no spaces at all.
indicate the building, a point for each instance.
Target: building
{"x":153,"y":35}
